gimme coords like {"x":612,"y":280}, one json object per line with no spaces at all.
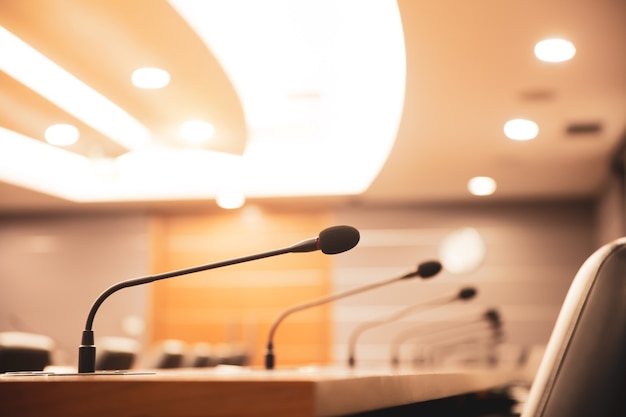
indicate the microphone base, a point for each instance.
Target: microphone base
{"x":86,"y":359}
{"x":270,"y":361}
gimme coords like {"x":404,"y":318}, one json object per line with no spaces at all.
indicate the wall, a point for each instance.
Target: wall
{"x":610,"y":213}
{"x":52,"y":268}
{"x":532,"y":253}
{"x":237,"y":305}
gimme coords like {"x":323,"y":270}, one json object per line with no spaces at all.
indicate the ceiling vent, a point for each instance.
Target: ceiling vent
{"x":583,"y":129}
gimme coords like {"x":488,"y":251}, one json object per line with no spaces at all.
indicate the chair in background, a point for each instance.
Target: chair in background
{"x":166,"y":354}
{"x":231,"y":354}
{"x":583,"y":370}
{"x":116,"y":353}
{"x":20,"y":351}
{"x":203,"y":355}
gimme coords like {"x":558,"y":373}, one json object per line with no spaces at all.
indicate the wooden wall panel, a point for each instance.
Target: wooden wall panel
{"x":238,"y":304}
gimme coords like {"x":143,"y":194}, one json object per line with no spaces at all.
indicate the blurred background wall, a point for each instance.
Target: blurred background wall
{"x":52,"y":267}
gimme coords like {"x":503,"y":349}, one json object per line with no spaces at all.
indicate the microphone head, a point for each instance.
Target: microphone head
{"x":428,"y":269}
{"x":493,"y":316}
{"x":467,"y":293}
{"x":337,"y":239}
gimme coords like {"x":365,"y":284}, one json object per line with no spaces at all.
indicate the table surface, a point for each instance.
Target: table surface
{"x":236,"y":391}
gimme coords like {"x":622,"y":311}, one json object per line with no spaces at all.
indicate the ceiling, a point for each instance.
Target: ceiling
{"x":469,"y":68}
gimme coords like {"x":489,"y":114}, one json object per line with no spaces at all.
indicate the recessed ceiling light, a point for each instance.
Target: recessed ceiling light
{"x":555,"y":50}
{"x":521,"y":129}
{"x":230,"y":199}
{"x":262,"y":86}
{"x":49,"y":80}
{"x":150,"y":78}
{"x":481,"y":186}
{"x":61,"y":134}
{"x":197,"y":131}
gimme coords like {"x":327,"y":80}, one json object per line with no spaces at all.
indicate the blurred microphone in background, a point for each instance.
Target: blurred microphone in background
{"x":424,"y":270}
{"x":463,"y":295}
{"x":436,"y":334}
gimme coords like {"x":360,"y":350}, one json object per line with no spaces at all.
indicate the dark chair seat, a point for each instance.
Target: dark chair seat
{"x":583,"y":370}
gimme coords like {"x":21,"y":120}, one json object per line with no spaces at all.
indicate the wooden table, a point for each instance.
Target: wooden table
{"x":234,"y":392}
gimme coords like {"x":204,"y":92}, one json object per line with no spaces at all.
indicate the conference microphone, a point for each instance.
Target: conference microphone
{"x":491,"y":317}
{"x":451,"y":343}
{"x":462,"y":295}
{"x":331,"y":241}
{"x":424,"y":270}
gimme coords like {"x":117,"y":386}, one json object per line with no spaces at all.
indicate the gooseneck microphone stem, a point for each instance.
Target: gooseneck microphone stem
{"x":427,"y":270}
{"x":87,"y":350}
{"x":455,"y":342}
{"x":422,"y":306}
{"x":270,"y":358}
{"x":157,"y":277}
{"x":332,"y":240}
{"x":490,"y":318}
{"x":463,"y":295}
{"x":417,"y":332}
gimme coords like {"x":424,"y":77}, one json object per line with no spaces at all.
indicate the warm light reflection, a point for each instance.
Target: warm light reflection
{"x":481,"y":186}
{"x":174,"y":173}
{"x":555,"y":50}
{"x":230,"y":199}
{"x":133,"y":325}
{"x":197,"y":131}
{"x":62,"y":134}
{"x":462,"y":250}
{"x":521,"y":129}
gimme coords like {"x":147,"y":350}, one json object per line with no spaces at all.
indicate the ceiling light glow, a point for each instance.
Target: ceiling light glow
{"x":287,"y":54}
{"x":62,"y":134}
{"x":151,"y":78}
{"x":230,"y":199}
{"x":481,"y":186}
{"x":58,"y":172}
{"x":462,"y":250}
{"x":49,"y":80}
{"x":555,"y":50}
{"x":521,"y":129}
{"x":197,"y":131}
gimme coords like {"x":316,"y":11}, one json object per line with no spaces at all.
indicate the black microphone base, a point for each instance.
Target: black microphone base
{"x":86,"y":359}
{"x":270,"y":361}
{"x":87,"y":353}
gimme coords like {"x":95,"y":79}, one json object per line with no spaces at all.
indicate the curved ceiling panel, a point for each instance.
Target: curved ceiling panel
{"x":296,"y":111}
{"x":102,"y":42}
{"x":26,"y":112}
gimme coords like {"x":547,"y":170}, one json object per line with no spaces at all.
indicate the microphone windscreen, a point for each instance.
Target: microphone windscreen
{"x":493,"y":316}
{"x":337,"y":239}
{"x":467,"y":293}
{"x":429,"y":269}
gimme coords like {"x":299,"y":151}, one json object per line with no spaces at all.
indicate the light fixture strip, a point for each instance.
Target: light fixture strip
{"x":34,"y":70}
